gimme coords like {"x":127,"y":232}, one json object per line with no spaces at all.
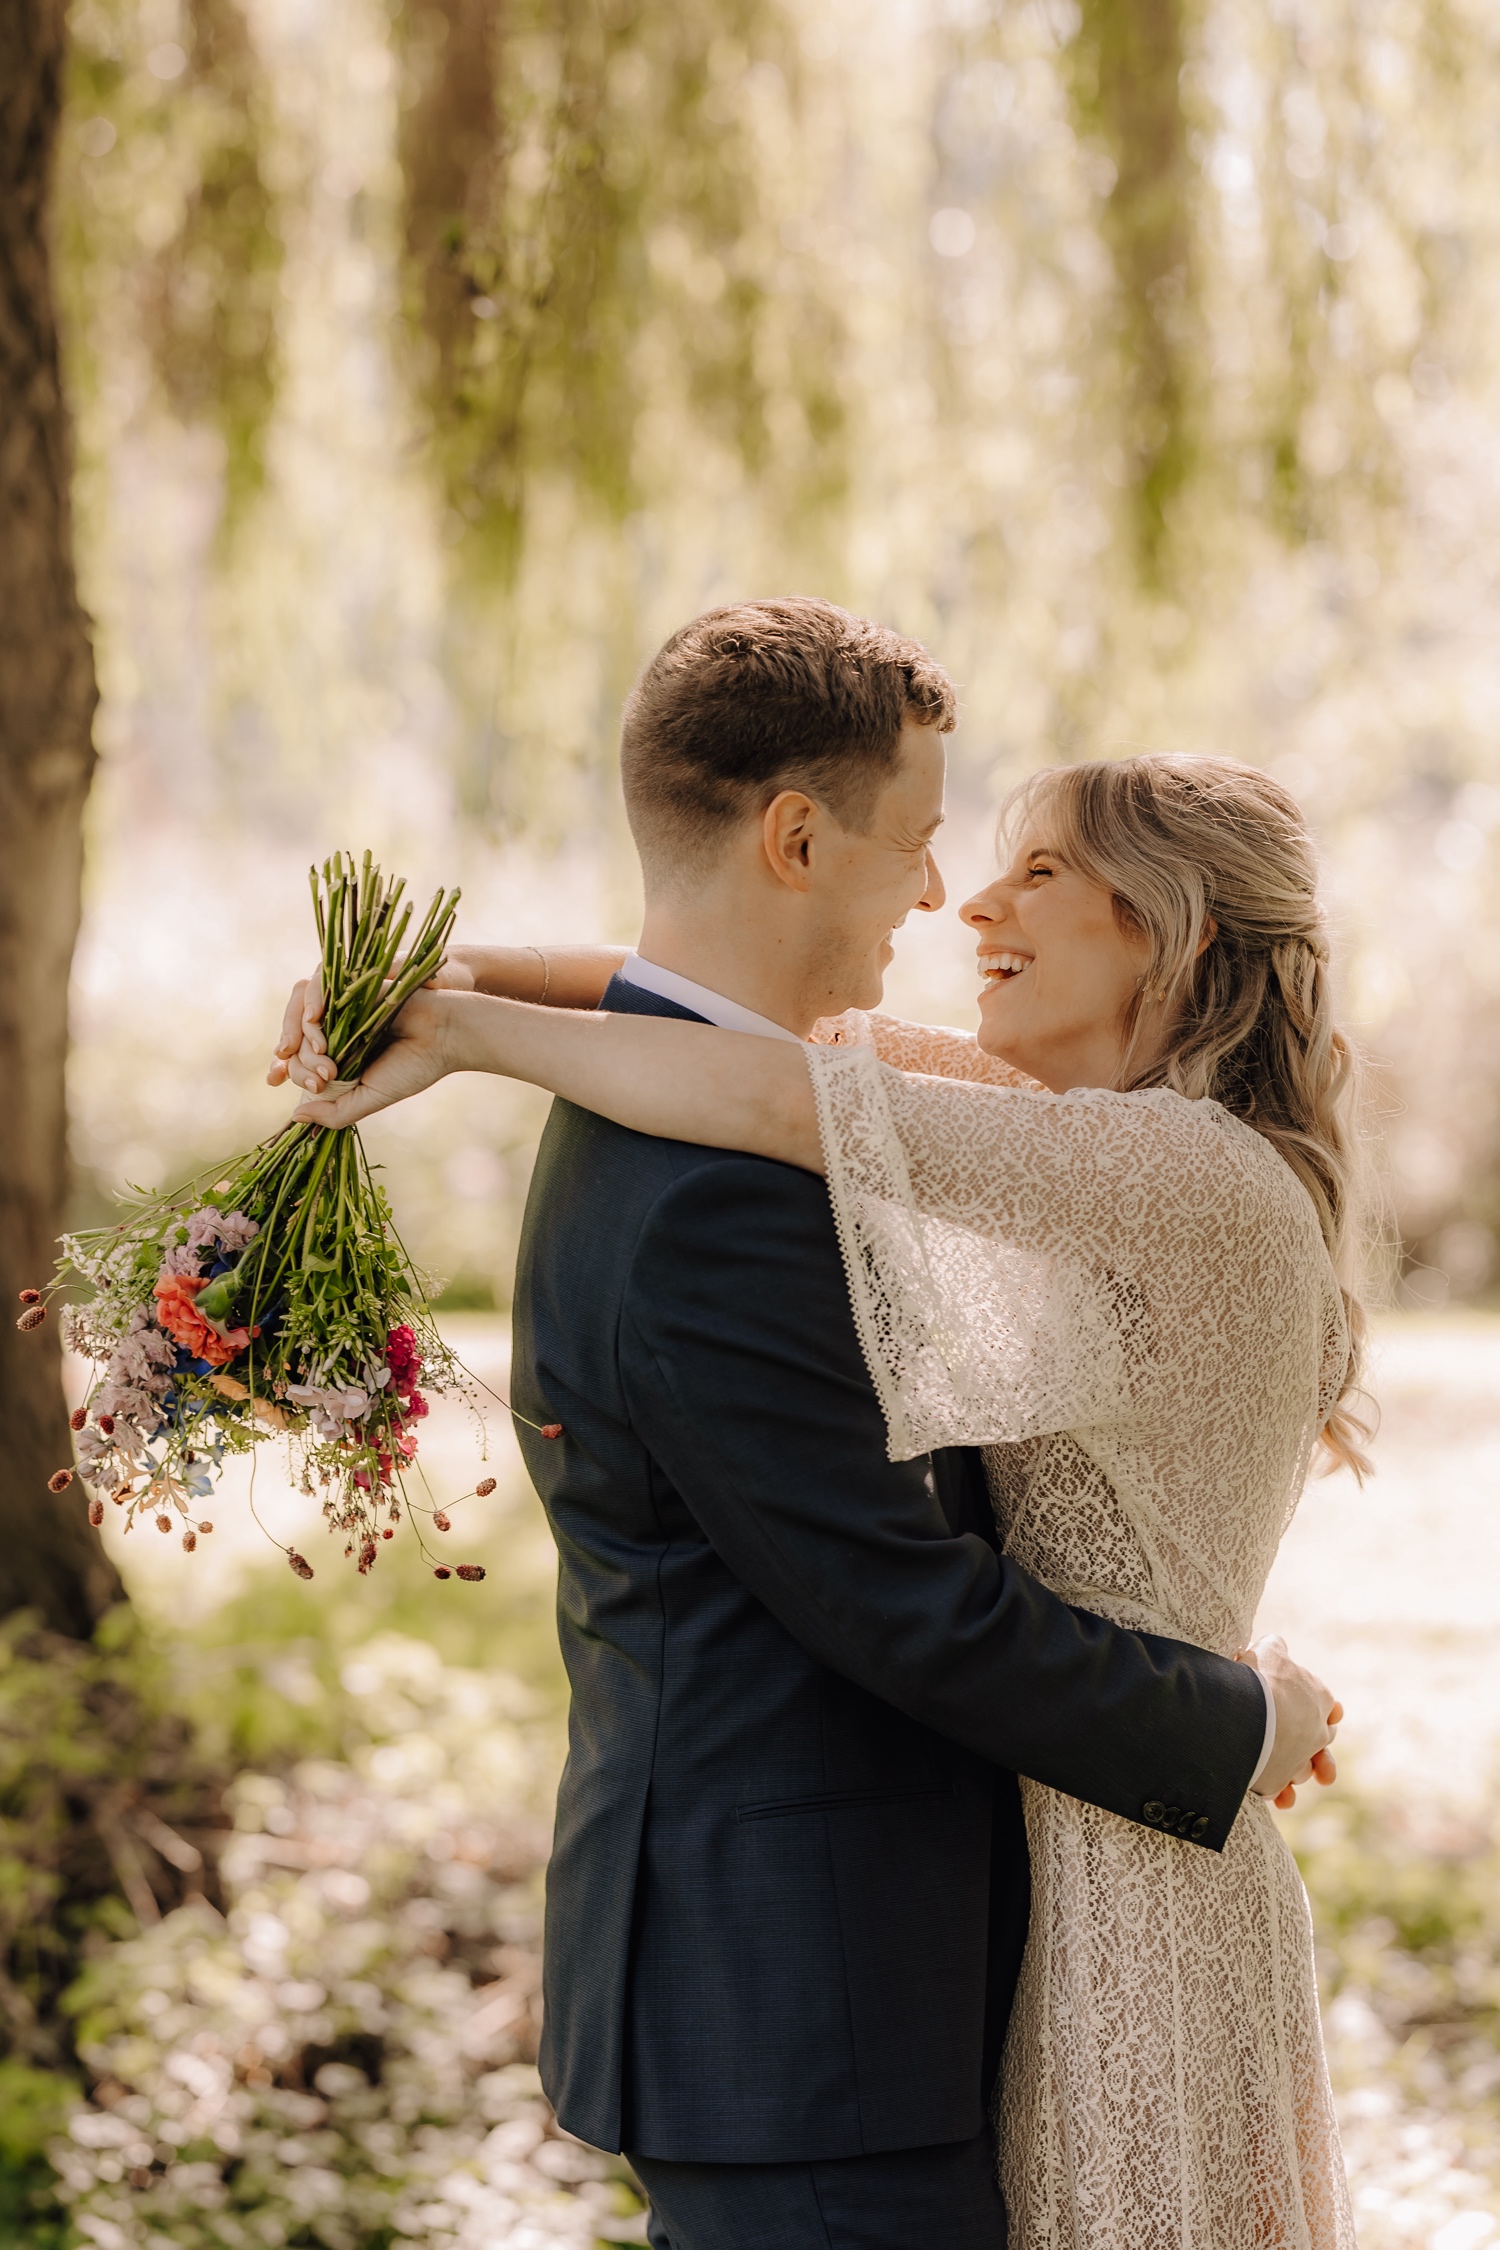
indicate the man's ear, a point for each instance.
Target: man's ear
{"x":788,"y":827}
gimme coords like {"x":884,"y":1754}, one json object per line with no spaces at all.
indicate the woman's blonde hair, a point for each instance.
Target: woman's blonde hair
{"x":1205,"y":846}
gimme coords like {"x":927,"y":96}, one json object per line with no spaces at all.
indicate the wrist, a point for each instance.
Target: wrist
{"x":504,"y":972}
{"x":451,"y":1026}
{"x":1268,"y":1739}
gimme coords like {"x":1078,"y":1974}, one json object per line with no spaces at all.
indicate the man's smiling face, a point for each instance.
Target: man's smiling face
{"x":868,"y":882}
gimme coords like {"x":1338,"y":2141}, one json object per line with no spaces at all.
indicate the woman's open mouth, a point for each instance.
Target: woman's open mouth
{"x":1003,"y":968}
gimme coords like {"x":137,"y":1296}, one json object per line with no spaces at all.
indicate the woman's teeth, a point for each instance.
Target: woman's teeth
{"x":998,"y":966}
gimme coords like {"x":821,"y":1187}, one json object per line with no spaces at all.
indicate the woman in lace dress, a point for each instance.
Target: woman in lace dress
{"x":1104,"y":1241}
{"x":1132,"y":1299}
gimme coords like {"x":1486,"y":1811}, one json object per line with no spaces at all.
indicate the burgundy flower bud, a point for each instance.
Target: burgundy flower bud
{"x":189,"y":1541}
{"x":59,"y":1480}
{"x":484,"y":1488}
{"x":205,"y":1527}
{"x":31,"y":1296}
{"x":552,"y":1429}
{"x":163,"y":1523}
{"x":96,"y":1513}
{"x":442,"y":1571}
{"x":106,"y":1425}
{"x":387,"y":1533}
{"x":440,"y":1522}
{"x":32,"y":1317}
{"x":78,"y":1418}
{"x":473,"y":1571}
{"x":302,"y":1567}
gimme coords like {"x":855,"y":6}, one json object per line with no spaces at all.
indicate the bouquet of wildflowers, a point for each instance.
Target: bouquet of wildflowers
{"x":272,"y":1296}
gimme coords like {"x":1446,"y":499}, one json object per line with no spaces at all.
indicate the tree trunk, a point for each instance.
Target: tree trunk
{"x":50,"y":1561}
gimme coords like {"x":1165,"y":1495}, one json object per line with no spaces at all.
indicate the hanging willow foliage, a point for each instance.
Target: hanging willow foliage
{"x":209,"y":297}
{"x":1338,"y":224}
{"x":168,"y":217}
{"x":1126,"y":65}
{"x":588,"y":229}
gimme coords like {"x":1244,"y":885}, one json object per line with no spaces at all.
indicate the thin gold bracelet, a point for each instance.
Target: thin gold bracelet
{"x":546,"y":973}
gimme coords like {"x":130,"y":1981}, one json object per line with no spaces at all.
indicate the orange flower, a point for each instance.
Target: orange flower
{"x":175,"y":1312}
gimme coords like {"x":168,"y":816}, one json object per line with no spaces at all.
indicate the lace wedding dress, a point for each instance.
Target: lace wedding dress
{"x":1125,"y":1299}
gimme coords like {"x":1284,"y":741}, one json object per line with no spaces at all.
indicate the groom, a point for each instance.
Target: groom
{"x":788,"y":1894}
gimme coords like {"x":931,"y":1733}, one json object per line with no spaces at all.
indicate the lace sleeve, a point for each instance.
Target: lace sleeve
{"x":1023,"y":1262}
{"x":929,"y":1049}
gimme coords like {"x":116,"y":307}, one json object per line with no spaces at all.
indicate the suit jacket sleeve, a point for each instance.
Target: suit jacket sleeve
{"x":745,"y":1379}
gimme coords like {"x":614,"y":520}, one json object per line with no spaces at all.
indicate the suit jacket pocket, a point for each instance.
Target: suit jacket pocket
{"x":843,"y":1800}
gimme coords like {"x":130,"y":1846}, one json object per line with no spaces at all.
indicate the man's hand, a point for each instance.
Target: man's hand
{"x":419,"y":1053}
{"x":1307,"y":1719}
{"x":302,"y":1051}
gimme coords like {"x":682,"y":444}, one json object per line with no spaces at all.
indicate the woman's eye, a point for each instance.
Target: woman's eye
{"x":1039,"y":870}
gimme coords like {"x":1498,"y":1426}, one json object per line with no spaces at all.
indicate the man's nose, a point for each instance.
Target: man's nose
{"x":936,"y":892}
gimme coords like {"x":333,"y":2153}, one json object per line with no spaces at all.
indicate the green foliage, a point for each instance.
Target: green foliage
{"x":34,"y":2109}
{"x":102,"y":1788}
{"x":170,"y":229}
{"x":348,"y":2051}
{"x":1126,"y":64}
{"x":587,"y":236}
{"x":466,"y":1293}
{"x":1408,"y":1918}
{"x":1406,"y":1913}
{"x":101,"y":1791}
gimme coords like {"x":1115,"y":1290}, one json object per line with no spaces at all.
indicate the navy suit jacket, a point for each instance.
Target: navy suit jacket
{"x":788,"y":1890}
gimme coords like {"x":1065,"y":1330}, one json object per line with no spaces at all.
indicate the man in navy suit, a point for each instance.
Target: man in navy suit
{"x":788,"y":1893}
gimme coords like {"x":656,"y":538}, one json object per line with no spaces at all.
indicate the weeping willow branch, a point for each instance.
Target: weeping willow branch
{"x":185,"y":126}
{"x":586,"y":234}
{"x":209,"y":297}
{"x":1126,"y":69}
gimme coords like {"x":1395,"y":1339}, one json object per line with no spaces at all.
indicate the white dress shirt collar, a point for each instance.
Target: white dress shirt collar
{"x":712,"y":1006}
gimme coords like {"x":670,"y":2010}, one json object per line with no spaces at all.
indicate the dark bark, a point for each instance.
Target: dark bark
{"x":50,"y":1561}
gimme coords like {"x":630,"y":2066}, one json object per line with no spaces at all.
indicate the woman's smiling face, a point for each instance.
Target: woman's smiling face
{"x":1060,"y":969}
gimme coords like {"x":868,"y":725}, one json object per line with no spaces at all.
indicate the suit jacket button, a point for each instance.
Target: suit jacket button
{"x":1153,"y":1812}
{"x":1199,"y":1828}
{"x":1171,"y":1816}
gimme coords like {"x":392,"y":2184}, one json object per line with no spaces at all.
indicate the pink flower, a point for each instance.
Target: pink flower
{"x":208,"y":1229}
{"x":403,"y":1359}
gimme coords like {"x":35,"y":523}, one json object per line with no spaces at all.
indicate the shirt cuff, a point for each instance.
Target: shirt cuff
{"x":1269,"y":1744}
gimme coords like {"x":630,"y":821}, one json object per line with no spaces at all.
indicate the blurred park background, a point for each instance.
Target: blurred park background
{"x":428,"y":361}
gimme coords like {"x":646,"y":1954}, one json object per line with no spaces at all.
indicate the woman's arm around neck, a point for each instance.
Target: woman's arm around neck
{"x":678,"y":1081}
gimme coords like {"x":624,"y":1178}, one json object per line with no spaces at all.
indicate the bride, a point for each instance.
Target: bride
{"x":1109,"y":1242}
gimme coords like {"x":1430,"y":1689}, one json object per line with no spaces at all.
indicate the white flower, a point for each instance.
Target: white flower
{"x":328,"y":1407}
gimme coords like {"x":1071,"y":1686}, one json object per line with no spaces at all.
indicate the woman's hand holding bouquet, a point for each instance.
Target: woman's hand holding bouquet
{"x":272,"y":1296}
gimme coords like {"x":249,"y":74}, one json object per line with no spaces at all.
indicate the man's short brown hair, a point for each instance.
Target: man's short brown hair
{"x":764,"y":696}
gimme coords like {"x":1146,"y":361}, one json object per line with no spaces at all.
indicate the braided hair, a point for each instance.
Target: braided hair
{"x":1194,"y":848}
